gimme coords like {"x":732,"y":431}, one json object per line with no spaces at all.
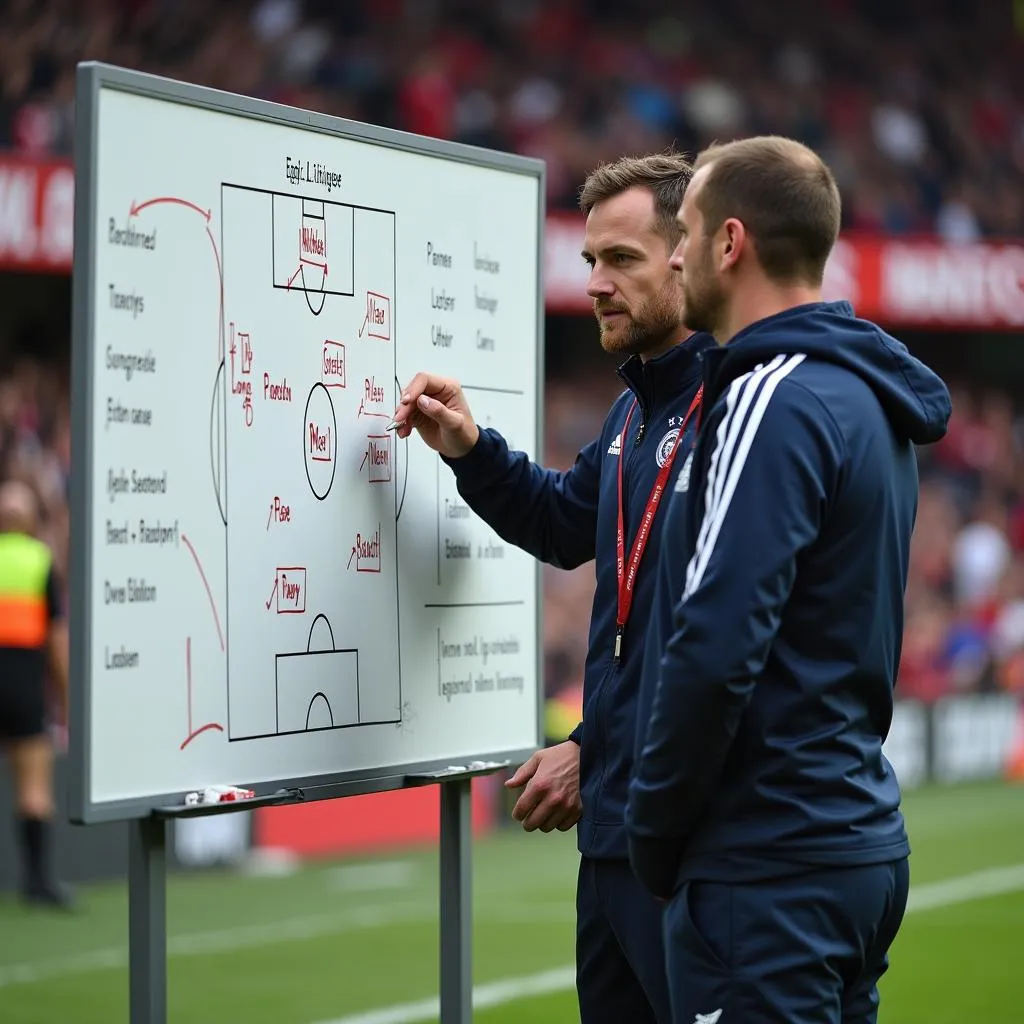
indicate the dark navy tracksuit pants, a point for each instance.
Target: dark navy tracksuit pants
{"x":805,"y":949}
{"x":620,"y":952}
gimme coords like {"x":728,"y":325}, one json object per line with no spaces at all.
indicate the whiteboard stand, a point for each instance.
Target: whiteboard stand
{"x":147,"y":899}
{"x":228,"y":404}
{"x":456,"y":902}
{"x":147,"y":920}
{"x":147,"y":885}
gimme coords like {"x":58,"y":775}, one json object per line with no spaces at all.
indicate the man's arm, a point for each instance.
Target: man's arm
{"x":773,"y":468}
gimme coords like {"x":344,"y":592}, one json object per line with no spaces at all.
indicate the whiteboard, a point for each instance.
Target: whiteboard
{"x":268,"y":587}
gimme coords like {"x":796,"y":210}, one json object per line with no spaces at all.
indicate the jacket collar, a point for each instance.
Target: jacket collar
{"x":657,"y":379}
{"x":758,"y":342}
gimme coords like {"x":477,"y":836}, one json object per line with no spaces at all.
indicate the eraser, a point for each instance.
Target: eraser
{"x":221,"y":794}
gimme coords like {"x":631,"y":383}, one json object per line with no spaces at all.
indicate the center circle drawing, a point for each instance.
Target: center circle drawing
{"x":320,"y":441}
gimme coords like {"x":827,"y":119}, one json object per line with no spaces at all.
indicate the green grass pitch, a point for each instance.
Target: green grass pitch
{"x":353,"y":942}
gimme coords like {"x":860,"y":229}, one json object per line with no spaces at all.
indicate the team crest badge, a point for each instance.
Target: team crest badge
{"x":665,"y":446}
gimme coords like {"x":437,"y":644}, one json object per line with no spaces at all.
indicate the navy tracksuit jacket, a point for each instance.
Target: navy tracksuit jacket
{"x":569,"y":518}
{"x":767,"y":688}
{"x":776,"y":637}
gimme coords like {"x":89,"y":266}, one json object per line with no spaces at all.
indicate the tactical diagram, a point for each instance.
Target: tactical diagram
{"x":305,"y":400}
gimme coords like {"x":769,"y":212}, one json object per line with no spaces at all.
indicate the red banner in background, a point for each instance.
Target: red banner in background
{"x":37,"y":204}
{"x":896,"y":282}
{"x":930,"y":284}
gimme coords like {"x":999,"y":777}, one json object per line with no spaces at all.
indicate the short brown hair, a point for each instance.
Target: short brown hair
{"x":664,"y":175}
{"x":784,"y":194}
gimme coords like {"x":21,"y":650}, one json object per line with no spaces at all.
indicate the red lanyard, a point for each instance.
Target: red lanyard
{"x":627,"y":577}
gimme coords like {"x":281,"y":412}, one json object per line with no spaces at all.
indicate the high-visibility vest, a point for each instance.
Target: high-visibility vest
{"x":24,"y":569}
{"x":562,"y":713}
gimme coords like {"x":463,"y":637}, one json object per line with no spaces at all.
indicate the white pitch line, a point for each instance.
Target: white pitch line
{"x":224,"y":940}
{"x":965,"y":888}
{"x":254,"y":936}
{"x":930,"y":896}
{"x":496,"y":993}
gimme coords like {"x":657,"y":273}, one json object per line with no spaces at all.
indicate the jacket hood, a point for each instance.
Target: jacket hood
{"x":914,"y":398}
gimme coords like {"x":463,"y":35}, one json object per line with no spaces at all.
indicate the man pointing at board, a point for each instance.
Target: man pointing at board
{"x":606,"y":508}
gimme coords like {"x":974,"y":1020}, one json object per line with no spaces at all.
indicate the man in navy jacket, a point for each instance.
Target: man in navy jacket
{"x":567,"y":519}
{"x":762,"y":808}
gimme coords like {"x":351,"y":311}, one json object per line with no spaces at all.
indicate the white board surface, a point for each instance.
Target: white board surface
{"x":273,"y":587}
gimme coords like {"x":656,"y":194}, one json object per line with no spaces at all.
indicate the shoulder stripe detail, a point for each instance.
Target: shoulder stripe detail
{"x":735,"y":435}
{"x":737,"y":401}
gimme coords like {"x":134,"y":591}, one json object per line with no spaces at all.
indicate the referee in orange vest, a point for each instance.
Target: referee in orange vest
{"x":33,"y":637}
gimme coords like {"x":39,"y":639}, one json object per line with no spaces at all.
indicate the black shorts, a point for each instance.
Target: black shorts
{"x":22,"y":699}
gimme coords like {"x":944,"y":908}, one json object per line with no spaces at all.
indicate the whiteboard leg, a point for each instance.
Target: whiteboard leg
{"x":456,"y":903}
{"x":147,"y":920}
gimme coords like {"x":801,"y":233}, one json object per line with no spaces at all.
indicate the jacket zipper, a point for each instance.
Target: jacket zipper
{"x":615,"y":666}
{"x":613,"y":669}
{"x":634,"y":448}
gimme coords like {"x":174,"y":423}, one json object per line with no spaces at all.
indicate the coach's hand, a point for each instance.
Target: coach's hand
{"x":437,"y":408}
{"x":551,"y":798}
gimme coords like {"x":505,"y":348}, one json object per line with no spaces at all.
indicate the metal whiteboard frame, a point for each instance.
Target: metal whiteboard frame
{"x":148,"y":816}
{"x":91,"y":78}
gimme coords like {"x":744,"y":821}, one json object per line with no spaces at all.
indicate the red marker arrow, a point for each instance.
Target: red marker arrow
{"x":137,"y":208}
{"x":206,"y":585}
{"x":193,"y":733}
{"x":378,"y":415}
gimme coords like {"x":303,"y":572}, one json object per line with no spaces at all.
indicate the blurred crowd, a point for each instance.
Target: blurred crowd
{"x":965,"y":598}
{"x":918,"y":105}
{"x":921,"y":119}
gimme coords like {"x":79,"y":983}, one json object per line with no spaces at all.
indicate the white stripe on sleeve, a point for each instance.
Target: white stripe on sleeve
{"x":737,"y":400}
{"x":739,"y":437}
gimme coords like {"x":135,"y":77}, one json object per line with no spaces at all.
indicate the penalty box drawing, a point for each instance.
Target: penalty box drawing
{"x":317,"y":688}
{"x":314,"y":248}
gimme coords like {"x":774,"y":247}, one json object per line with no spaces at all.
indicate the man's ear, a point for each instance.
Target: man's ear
{"x":733,"y":243}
